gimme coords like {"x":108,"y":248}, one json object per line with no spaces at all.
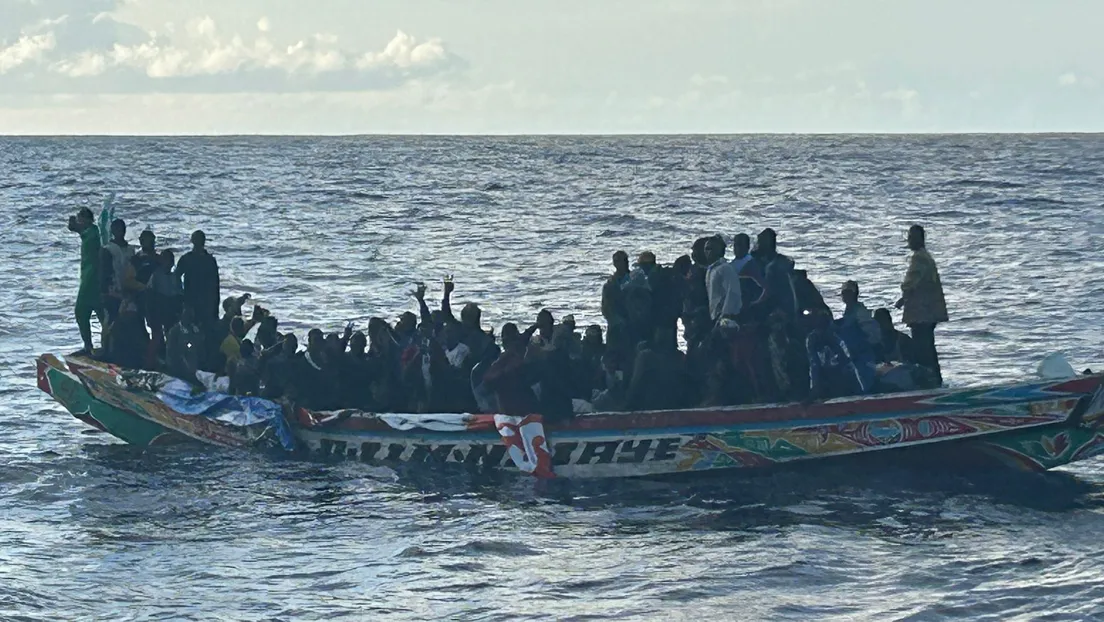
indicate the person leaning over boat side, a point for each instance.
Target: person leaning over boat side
{"x":923,"y":301}
{"x":199,"y":274}
{"x":832,"y":372}
{"x":88,"y":293}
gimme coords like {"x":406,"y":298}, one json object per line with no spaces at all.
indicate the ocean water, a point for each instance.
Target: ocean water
{"x":325,"y":230}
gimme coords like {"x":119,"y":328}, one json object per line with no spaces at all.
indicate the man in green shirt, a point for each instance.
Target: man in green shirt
{"x":88,"y":296}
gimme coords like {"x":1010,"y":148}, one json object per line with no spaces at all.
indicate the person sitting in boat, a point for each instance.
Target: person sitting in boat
{"x":551,"y":367}
{"x":587,"y":368}
{"x":88,"y":293}
{"x":894,"y":346}
{"x":184,"y":348}
{"x":199,"y":275}
{"x":314,"y":383}
{"x":471,"y":332}
{"x":355,"y":374}
{"x":245,"y":372}
{"x":546,"y":326}
{"x":832,"y":372}
{"x":859,"y":332}
{"x":231,"y":345}
{"x":613,"y":302}
{"x":268,"y":333}
{"x":280,"y":364}
{"x":922,"y":300}
{"x":510,"y":376}
{"x":658,"y":379}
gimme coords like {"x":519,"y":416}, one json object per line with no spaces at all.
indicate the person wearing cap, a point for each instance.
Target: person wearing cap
{"x":923,"y":301}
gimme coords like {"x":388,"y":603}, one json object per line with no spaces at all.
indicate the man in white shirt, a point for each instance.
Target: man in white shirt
{"x":722,"y":282}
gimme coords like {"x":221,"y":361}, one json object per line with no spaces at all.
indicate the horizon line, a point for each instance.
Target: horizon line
{"x":553,"y":134}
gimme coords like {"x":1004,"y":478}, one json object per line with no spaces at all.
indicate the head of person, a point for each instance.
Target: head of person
{"x":471,"y":315}
{"x":714,"y":249}
{"x":511,"y":337}
{"x":569,"y":323}
{"x":147,"y":241}
{"x":593,"y":335}
{"x":450,"y":336}
{"x":118,"y":229}
{"x":270,"y":324}
{"x":916,"y":237}
{"x":741,"y":245}
{"x":199,"y":240}
{"x":315,"y":341}
{"x":884,"y":319}
{"x":247,"y":348}
{"x":545,"y":322}
{"x":230,"y":306}
{"x":849,"y":293}
{"x":333,"y":344}
{"x":683,"y":265}
{"x":697,"y":252}
{"x":407,"y":324}
{"x":291,"y":344}
{"x":646,"y":261}
{"x":167,"y":259}
{"x":358,"y":343}
{"x":85,"y":219}
{"x":621,"y":262}
{"x":437,"y":317}
{"x":237,"y":327}
{"x":767,"y":241}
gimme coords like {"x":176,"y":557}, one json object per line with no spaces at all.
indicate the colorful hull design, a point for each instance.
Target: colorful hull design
{"x":66,"y":388}
{"x":1035,"y":426}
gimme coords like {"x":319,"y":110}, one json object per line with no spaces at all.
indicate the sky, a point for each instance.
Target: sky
{"x":550,"y":66}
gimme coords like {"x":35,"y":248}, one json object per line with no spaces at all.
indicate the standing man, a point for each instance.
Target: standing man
{"x":923,"y":301}
{"x":199,"y":274}
{"x":88,"y":295}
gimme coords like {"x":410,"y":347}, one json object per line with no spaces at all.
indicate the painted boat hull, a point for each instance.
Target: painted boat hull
{"x":1034,"y":426}
{"x":56,"y":380}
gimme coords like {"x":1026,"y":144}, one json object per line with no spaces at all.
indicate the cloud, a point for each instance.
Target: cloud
{"x":200,"y":57}
{"x":1067,"y":79}
{"x":27,"y":49}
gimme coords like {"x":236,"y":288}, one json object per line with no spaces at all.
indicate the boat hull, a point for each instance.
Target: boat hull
{"x":1034,"y":426}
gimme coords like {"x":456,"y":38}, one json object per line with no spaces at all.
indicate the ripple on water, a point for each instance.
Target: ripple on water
{"x":320,"y":230}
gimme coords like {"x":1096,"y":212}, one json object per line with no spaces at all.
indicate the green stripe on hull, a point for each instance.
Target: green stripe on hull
{"x":70,"y":393}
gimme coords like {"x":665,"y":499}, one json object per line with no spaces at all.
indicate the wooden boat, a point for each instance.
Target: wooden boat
{"x":1030,"y":425}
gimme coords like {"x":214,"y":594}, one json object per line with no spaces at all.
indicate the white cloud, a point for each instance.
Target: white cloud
{"x":1067,"y":79}
{"x":404,"y":51}
{"x":28,"y":48}
{"x":263,"y":24}
{"x":85,"y":64}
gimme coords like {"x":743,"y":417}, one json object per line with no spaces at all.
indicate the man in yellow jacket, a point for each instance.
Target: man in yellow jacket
{"x":923,"y":301}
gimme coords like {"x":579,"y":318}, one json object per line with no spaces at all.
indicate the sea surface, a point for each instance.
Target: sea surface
{"x":325,"y":230}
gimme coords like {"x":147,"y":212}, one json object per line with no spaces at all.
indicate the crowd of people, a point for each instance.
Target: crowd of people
{"x":755,"y":330}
